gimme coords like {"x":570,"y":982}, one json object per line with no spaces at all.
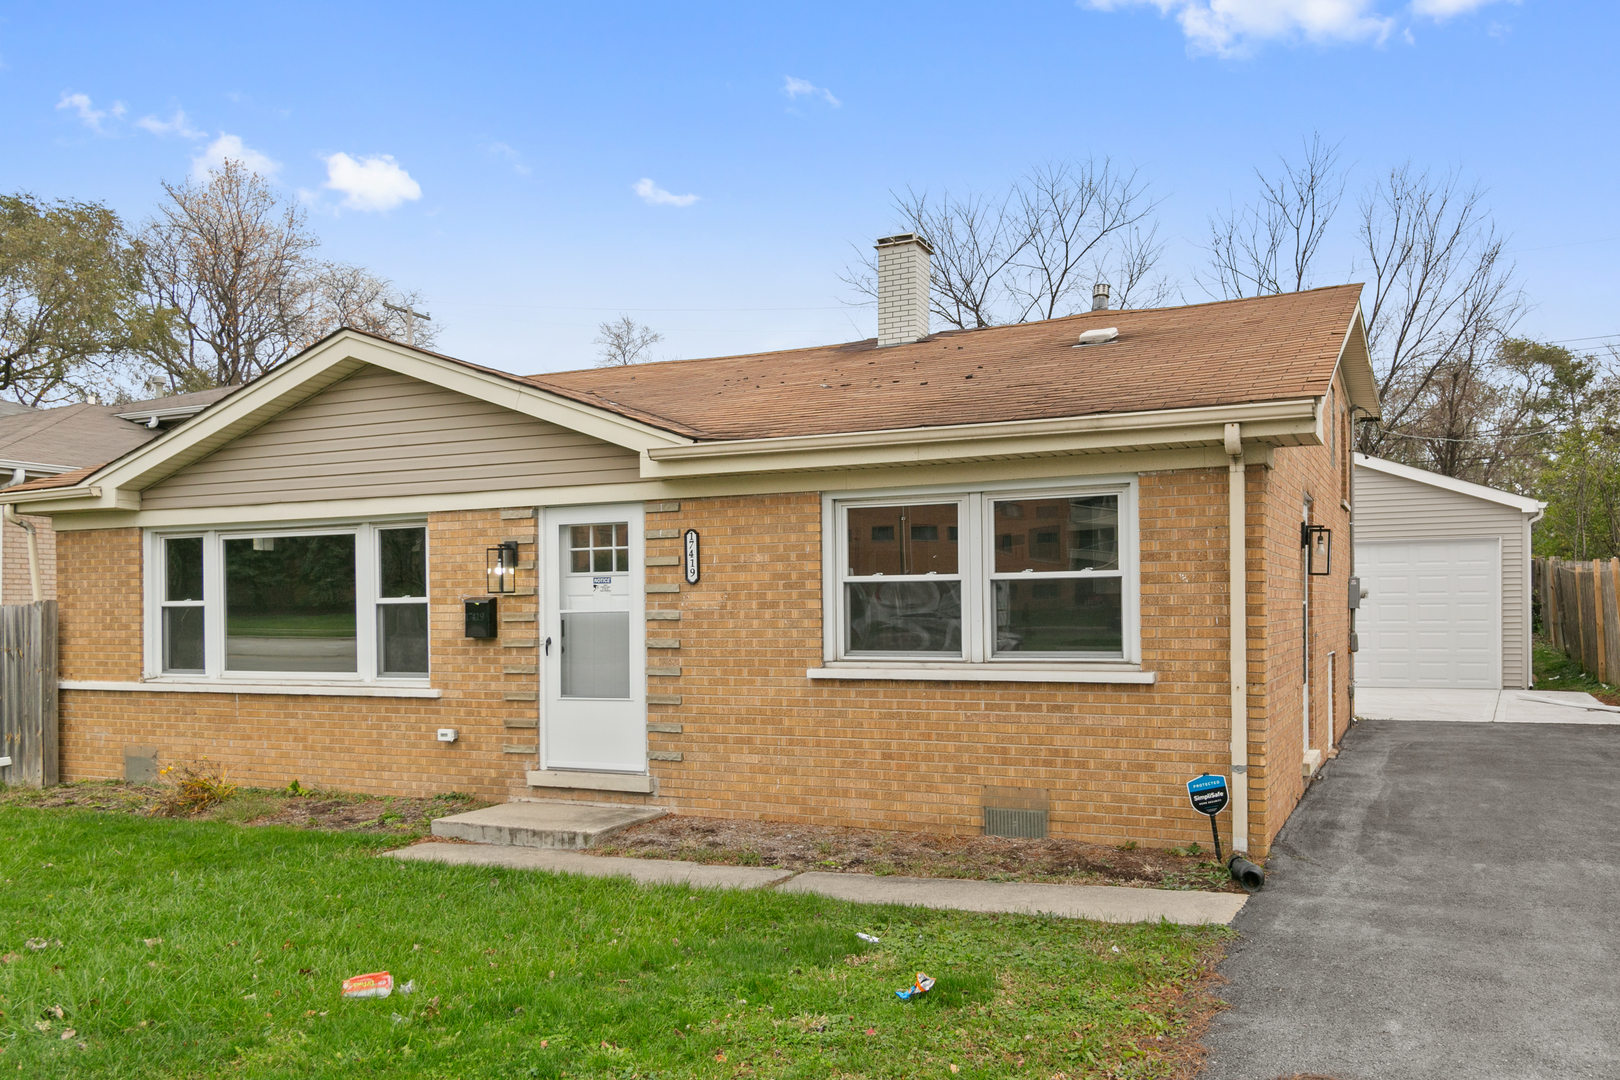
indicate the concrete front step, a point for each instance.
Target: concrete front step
{"x":553,"y":824}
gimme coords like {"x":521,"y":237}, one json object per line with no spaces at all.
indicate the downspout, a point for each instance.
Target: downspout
{"x":1238,"y":648}
{"x":17,"y":477}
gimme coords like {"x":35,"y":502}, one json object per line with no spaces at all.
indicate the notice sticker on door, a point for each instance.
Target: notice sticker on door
{"x":602,"y":584}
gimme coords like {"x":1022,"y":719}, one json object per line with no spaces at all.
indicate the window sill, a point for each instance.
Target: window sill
{"x":285,"y":688}
{"x":903,"y":672}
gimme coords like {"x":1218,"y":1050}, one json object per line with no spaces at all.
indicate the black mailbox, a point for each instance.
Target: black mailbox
{"x":480,"y":616}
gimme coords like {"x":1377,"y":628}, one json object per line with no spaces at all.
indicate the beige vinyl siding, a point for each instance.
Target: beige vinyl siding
{"x":1395,"y":508}
{"x":377,"y":434}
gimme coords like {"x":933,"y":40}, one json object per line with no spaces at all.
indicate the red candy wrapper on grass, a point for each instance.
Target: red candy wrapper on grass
{"x":378,"y":984}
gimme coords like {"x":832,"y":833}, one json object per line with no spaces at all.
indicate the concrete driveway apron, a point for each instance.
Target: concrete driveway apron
{"x":1445,"y":902}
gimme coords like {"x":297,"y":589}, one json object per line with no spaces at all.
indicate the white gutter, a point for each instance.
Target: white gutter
{"x":35,"y":467}
{"x":1238,"y":645}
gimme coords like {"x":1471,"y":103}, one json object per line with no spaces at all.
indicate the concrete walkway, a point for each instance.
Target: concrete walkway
{"x":1106,"y":903}
{"x":1483,"y":706}
{"x":550,"y":824}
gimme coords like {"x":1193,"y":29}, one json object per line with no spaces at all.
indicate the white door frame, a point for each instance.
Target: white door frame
{"x":1305,"y":629}
{"x":549,"y":565}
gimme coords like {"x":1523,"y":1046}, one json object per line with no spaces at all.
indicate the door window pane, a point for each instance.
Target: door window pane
{"x":290,"y":603}
{"x":182,"y":560}
{"x":1056,"y":535}
{"x":1059,"y":615}
{"x":599,"y":549}
{"x":596,"y":654}
{"x":904,"y":617}
{"x":183,"y":640}
{"x":404,"y":646}
{"x":403,"y":553}
{"x":902,"y":540}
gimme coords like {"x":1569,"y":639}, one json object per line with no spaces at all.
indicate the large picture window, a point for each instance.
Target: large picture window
{"x":987,"y":576}
{"x":333,"y":603}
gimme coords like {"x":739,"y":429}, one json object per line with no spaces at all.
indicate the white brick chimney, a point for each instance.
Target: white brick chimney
{"x":904,"y":270}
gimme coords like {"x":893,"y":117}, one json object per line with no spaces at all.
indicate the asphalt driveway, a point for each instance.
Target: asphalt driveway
{"x":1445,"y":902}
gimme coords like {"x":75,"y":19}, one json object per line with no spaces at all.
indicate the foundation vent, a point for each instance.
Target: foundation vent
{"x":1015,"y":812}
{"x":1018,"y":824}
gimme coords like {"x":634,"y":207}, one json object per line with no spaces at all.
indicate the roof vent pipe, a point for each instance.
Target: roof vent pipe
{"x":1099,"y":296}
{"x":904,"y":274}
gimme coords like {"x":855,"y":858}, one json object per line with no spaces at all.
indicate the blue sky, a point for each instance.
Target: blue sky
{"x":491,"y":156}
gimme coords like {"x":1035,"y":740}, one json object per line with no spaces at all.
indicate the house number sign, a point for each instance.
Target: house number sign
{"x":693,"y":570}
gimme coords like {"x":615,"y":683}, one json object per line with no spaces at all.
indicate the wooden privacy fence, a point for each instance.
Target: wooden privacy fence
{"x":1580,"y":612}
{"x":28,"y":693}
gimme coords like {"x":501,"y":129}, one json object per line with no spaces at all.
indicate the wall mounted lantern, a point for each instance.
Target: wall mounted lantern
{"x":500,"y":565}
{"x":1317,"y":540}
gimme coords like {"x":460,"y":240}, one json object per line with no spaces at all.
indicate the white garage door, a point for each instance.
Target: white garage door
{"x":1433,"y":613}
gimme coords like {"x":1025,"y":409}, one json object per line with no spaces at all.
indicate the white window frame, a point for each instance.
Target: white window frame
{"x":368,"y":586}
{"x":976,"y":567}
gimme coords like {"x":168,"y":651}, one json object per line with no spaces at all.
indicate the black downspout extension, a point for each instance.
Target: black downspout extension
{"x":1246,"y":873}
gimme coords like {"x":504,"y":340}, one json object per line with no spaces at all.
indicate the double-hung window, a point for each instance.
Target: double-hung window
{"x":339,"y":603}
{"x":992,"y":575}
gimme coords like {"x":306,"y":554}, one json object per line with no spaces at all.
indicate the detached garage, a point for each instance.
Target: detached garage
{"x":1445,"y":566}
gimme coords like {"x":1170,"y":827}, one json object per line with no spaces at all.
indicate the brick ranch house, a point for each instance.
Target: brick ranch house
{"x":935,"y":573}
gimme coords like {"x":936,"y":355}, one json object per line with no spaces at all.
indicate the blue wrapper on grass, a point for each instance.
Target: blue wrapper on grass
{"x":922,"y":985}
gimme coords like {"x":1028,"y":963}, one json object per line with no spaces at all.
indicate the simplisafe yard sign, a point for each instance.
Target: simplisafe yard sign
{"x":693,"y":571}
{"x":1208,"y":795}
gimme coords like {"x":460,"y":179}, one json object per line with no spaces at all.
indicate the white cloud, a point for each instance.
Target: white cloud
{"x":1445,"y":9}
{"x":506,"y":153}
{"x":653,"y":195}
{"x":231,"y":148}
{"x":1235,"y":27}
{"x":376,"y":182}
{"x":175,"y":125}
{"x":796,"y":88}
{"x":88,"y":113}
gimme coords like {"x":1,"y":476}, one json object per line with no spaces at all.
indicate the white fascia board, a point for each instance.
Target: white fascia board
{"x":339,"y":357}
{"x":1521,"y":503}
{"x":1291,"y":422}
{"x":36,"y":466}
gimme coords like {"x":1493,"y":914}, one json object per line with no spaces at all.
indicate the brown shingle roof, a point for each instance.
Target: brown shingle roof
{"x":84,"y":434}
{"x":1263,"y":349}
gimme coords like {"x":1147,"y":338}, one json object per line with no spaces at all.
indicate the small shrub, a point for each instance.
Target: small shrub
{"x":295,"y":789}
{"x":195,"y":786}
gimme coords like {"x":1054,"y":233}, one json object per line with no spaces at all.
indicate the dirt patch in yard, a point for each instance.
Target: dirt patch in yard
{"x":325,"y":810}
{"x":860,"y":851}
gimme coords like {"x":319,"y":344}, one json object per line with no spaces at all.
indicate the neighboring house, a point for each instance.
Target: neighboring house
{"x":932,"y":576}
{"x":36,"y":443}
{"x":1445,"y":565}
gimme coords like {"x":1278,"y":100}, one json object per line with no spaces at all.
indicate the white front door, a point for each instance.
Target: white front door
{"x":1433,"y":614}
{"x":594,"y":673}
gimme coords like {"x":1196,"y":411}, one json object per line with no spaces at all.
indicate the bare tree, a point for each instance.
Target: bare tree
{"x":1033,"y":251}
{"x":236,"y":266}
{"x":1084,"y":223}
{"x":1268,"y":246}
{"x":624,"y":341}
{"x":1443,"y":297}
{"x":347,"y":295}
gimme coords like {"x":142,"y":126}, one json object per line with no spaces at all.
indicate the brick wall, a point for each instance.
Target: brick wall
{"x":378,"y":745}
{"x":15,"y":586}
{"x":758,"y":739}
{"x":753,"y":736}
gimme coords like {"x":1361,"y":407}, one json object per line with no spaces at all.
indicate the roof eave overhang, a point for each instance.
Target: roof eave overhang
{"x":1355,"y":367}
{"x":1292,"y":422}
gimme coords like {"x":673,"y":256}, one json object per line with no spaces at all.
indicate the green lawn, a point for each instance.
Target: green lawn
{"x":1555,"y":671}
{"x":193,"y":949}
